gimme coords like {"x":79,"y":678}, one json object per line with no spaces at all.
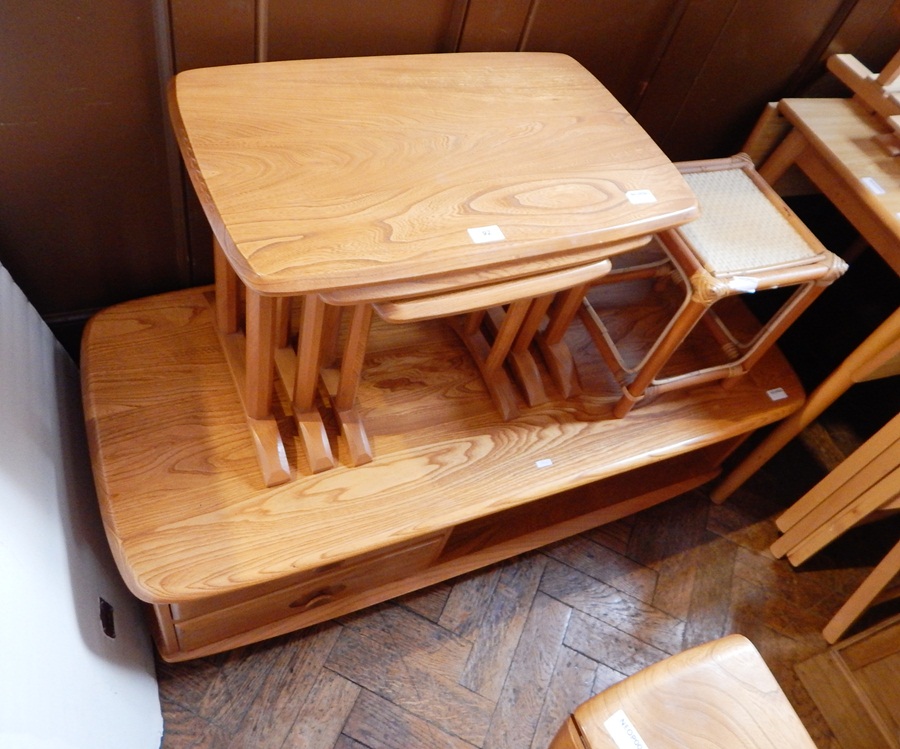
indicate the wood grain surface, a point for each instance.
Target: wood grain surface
{"x":187,"y":514}
{"x":317,"y":174}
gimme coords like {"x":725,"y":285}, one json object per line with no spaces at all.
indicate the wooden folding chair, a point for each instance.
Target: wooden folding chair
{"x":862,"y":487}
{"x":746,"y":240}
{"x":879,"y":92}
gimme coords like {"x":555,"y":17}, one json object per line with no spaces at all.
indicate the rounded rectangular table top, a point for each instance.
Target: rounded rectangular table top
{"x":322,"y":174}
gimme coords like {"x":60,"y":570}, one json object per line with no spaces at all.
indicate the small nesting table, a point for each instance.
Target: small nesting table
{"x":447,"y":171}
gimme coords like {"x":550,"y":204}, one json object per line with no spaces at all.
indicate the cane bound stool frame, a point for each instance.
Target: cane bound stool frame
{"x":746,"y":240}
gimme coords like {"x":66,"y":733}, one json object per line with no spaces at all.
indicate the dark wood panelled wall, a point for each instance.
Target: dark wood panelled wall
{"x":93,"y":205}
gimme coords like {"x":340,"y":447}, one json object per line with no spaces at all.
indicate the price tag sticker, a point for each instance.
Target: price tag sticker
{"x":777,"y":394}
{"x":485,"y":234}
{"x":745,"y":284}
{"x":623,"y":731}
{"x":545,"y":463}
{"x":640,"y":197}
{"x":872,"y":185}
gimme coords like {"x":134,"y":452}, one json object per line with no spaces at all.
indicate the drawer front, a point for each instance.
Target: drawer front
{"x":193,"y":609}
{"x":307,"y":595}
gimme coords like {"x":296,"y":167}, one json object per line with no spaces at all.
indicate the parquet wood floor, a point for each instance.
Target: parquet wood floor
{"x":496,"y":659}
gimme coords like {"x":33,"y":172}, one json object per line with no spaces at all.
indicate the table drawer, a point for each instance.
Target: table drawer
{"x":358,"y":576}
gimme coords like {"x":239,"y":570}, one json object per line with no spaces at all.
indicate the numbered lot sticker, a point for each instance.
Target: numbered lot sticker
{"x":484,"y":234}
{"x":640,"y":197}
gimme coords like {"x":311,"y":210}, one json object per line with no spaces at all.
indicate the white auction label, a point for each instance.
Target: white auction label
{"x":777,"y":394}
{"x":623,"y":731}
{"x":484,"y":234}
{"x":747,"y":284}
{"x":640,"y":197}
{"x":545,"y":463}
{"x":873,"y":185}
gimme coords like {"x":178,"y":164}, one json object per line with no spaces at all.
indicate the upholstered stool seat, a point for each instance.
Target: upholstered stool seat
{"x":746,"y":240}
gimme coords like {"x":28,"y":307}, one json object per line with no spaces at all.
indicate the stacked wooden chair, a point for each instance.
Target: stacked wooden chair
{"x":862,"y":488}
{"x":746,"y":240}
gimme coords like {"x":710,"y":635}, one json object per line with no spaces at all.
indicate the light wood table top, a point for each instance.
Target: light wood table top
{"x":323,"y":174}
{"x":188,"y":516}
{"x":835,"y":143}
{"x":433,"y":171}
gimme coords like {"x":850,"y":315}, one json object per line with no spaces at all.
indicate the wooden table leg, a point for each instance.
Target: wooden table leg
{"x":556,"y":353}
{"x":250,"y":359}
{"x":248,"y":364}
{"x":226,"y":291}
{"x":783,"y":157}
{"x":306,"y":381}
{"x":877,"y":352}
{"x":498,"y":384}
{"x":523,"y":364}
{"x":344,"y":398}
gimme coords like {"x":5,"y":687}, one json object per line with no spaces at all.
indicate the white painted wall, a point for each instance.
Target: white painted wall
{"x":64,"y":684}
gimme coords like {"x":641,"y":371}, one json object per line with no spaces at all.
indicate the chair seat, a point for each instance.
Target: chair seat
{"x":746,"y":240}
{"x":740,"y":231}
{"x":720,"y":694}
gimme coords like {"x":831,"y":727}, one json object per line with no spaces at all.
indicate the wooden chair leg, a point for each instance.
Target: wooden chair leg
{"x":881,"y":347}
{"x":871,"y":500}
{"x":873,"y":449}
{"x":840,"y":490}
{"x":662,"y":352}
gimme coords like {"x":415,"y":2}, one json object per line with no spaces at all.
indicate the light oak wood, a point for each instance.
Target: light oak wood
{"x":879,"y":351}
{"x":866,"y":483}
{"x":318,"y":174}
{"x":321,"y":175}
{"x":191,"y":523}
{"x":834,"y":143}
{"x":717,"y":694}
{"x":837,"y":148}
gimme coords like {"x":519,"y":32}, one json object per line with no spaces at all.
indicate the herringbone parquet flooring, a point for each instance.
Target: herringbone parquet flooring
{"x":498,"y":658}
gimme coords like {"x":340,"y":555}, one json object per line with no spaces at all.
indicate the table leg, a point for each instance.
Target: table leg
{"x":348,"y":383}
{"x":521,"y":361}
{"x":306,"y":381}
{"x":876,"y":352}
{"x":783,"y":157}
{"x":249,"y":379}
{"x":556,"y":353}
{"x":226,"y":291}
{"x":498,"y":384}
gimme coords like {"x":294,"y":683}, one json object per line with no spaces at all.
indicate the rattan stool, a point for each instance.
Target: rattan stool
{"x":745,"y":240}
